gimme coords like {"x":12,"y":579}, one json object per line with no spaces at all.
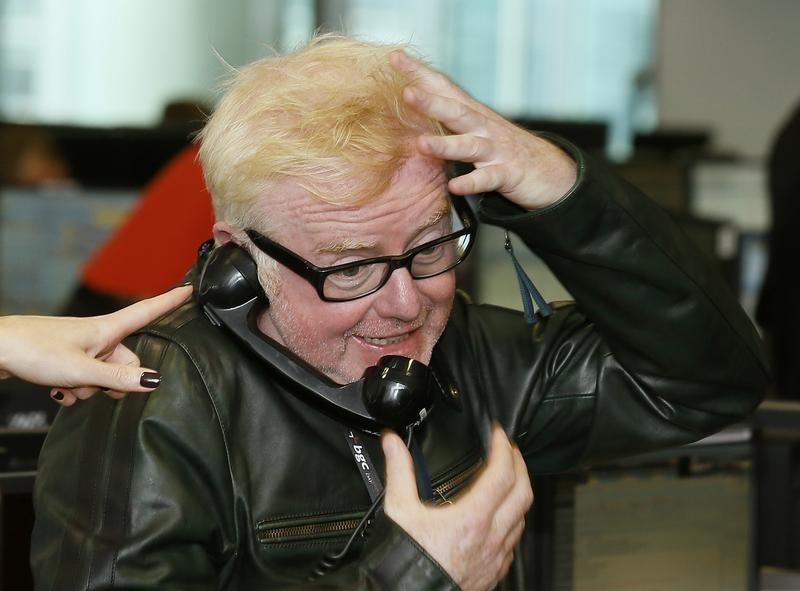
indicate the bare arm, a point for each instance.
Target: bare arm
{"x":78,"y":356}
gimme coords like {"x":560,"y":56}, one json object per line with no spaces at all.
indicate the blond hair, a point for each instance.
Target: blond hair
{"x":329,"y":116}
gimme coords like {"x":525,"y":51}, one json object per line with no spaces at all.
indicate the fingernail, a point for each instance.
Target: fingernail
{"x":150,"y":379}
{"x":57,"y":395}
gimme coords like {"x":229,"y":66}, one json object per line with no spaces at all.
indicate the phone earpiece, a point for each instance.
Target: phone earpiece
{"x":229,"y":278}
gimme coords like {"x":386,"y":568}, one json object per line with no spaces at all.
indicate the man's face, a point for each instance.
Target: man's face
{"x":405,"y":317}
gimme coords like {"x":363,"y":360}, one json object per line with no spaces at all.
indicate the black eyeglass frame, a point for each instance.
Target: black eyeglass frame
{"x":316,"y":275}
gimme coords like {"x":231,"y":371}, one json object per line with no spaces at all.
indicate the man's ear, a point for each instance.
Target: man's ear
{"x":223,"y":233}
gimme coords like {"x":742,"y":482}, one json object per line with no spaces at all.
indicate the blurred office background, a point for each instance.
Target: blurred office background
{"x":682,"y":97}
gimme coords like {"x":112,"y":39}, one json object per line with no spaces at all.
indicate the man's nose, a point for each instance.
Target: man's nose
{"x":400,"y":298}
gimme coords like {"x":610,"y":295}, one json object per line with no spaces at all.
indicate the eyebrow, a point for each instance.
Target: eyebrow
{"x":352,"y":245}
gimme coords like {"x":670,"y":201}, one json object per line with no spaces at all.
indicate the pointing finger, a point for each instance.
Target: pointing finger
{"x":123,"y":322}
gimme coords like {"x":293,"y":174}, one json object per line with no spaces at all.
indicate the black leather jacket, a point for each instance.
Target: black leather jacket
{"x":222,"y":479}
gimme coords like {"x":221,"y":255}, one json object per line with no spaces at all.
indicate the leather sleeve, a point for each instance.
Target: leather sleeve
{"x":136,"y":493}
{"x":656,"y":351}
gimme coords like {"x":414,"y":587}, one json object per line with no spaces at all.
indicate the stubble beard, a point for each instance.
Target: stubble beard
{"x":331,"y":358}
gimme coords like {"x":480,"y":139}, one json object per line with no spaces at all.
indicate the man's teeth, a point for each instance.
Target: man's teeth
{"x":384,"y":342}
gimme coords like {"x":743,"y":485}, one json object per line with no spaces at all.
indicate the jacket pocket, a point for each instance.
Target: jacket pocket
{"x":322,"y":527}
{"x":307,"y":528}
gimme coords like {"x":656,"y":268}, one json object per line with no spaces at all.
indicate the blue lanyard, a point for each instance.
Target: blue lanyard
{"x":527,"y":289}
{"x":370,"y":476}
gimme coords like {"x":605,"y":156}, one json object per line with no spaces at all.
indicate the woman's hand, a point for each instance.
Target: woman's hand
{"x":81,"y":355}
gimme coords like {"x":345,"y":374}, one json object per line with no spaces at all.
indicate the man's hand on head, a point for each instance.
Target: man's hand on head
{"x":473,"y":539}
{"x":526,"y":169}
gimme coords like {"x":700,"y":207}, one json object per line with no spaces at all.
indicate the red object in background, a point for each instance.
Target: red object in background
{"x":157,"y":243}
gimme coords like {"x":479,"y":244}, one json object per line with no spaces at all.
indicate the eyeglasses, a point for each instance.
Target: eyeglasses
{"x":357,"y":279}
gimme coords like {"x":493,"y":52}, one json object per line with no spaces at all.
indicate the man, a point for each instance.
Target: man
{"x":228,"y":477}
{"x":777,"y":311}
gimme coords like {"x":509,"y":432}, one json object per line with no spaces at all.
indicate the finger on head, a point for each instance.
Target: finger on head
{"x":480,"y":180}
{"x":400,"y":60}
{"x":421,"y":73}
{"x":460,"y":147}
{"x":456,"y":115}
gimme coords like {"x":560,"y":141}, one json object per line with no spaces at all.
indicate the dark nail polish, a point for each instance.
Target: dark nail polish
{"x":57,"y":395}
{"x":150,"y":379}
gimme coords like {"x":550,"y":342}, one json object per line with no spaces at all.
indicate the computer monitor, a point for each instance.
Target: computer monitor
{"x":46,"y":234}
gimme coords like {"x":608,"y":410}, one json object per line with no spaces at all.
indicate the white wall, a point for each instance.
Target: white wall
{"x":730,"y":65}
{"x":117,"y":62}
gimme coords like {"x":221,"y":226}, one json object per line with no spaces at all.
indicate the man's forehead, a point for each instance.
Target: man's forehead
{"x":351,"y":243}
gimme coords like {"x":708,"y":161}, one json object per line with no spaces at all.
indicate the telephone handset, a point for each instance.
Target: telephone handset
{"x":396,"y":393}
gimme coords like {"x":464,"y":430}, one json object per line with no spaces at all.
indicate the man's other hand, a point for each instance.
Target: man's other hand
{"x":474,"y":538}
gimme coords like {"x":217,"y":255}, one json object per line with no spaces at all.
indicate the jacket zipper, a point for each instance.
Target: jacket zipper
{"x":291,"y":531}
{"x":453,"y":484}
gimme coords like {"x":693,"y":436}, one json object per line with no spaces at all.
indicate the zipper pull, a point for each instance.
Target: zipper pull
{"x":445,"y":500}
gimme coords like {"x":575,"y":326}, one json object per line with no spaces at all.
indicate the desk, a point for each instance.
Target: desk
{"x":16,"y":521}
{"x":778,"y":427}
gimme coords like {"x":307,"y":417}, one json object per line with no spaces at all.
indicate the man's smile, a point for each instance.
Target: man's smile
{"x":386,"y":340}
